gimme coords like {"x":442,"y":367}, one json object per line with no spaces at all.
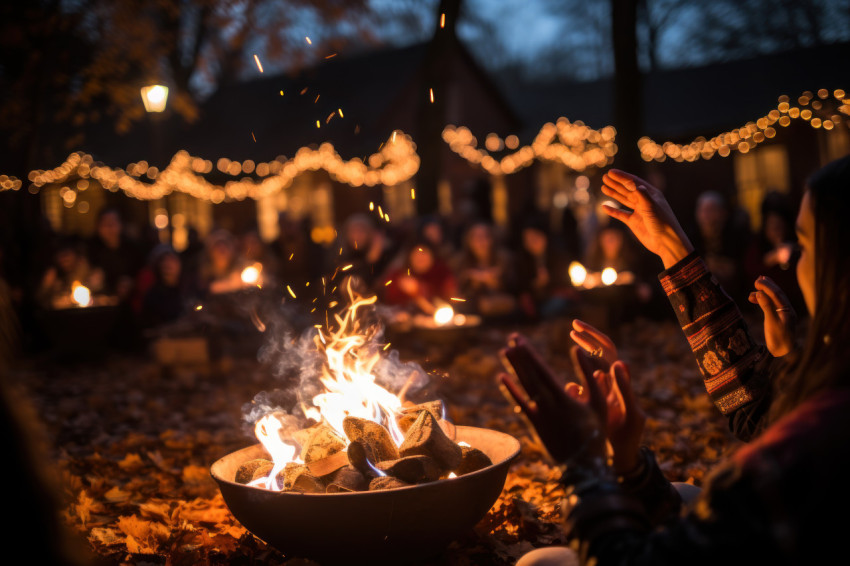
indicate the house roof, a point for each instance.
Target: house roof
{"x":691,"y":101}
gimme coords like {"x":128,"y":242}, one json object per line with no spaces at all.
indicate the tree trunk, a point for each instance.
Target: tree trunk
{"x":436,"y":75}
{"x":628,"y":84}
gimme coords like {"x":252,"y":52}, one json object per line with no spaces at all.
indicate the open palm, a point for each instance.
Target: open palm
{"x":651,"y":221}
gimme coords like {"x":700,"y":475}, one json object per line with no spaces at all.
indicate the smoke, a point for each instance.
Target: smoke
{"x":296,"y":363}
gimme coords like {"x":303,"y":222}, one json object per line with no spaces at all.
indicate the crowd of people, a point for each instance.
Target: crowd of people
{"x":522,"y":274}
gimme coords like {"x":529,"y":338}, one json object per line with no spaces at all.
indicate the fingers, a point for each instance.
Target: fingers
{"x":616,"y":213}
{"x":623,"y":384}
{"x":588,"y":331}
{"x":574,"y":391}
{"x":535,"y":376}
{"x":619,"y":194}
{"x":769,"y":287}
{"x":626,"y":179}
{"x":767,"y":307}
{"x":585,"y":368}
{"x":516,"y":393}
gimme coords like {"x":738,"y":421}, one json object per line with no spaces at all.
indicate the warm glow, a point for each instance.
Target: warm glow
{"x":81,"y":295}
{"x":155,"y":97}
{"x":444,"y":315}
{"x":268,"y":431}
{"x":251,"y":274}
{"x":577,"y":273}
{"x":609,"y":275}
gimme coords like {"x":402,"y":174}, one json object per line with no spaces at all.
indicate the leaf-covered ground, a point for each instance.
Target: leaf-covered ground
{"x":134,"y":443}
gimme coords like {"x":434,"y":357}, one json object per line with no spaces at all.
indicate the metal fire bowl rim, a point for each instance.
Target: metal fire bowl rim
{"x":507,"y":438}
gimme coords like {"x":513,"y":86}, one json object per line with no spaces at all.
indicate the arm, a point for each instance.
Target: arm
{"x":736,"y":370}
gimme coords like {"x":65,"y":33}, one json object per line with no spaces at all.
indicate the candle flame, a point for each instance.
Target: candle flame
{"x":577,"y":273}
{"x":444,"y":315}
{"x":81,"y":294}
{"x":609,"y":276}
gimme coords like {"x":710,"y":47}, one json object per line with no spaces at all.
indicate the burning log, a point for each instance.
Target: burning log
{"x":360,"y":456}
{"x":321,"y":442}
{"x":248,"y":470}
{"x":411,"y":469}
{"x":327,"y":466}
{"x":371,"y":435}
{"x":307,"y":483}
{"x":410,"y":414}
{"x":427,"y":438}
{"x":347,"y":479}
{"x":290,"y":474}
{"x":386,"y":482}
{"x":472,"y":460}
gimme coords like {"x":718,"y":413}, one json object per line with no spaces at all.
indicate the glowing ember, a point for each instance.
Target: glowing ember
{"x":444,"y":315}
{"x":251,"y":274}
{"x":577,"y":273}
{"x":609,"y":275}
{"x":81,"y":294}
{"x":259,"y":65}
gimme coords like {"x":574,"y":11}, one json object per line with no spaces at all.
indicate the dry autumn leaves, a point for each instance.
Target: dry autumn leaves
{"x":134,"y":442}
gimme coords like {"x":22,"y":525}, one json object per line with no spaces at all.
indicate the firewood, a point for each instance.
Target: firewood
{"x":361,"y":457}
{"x":308,"y":483}
{"x":410,"y":413}
{"x":373,"y":435}
{"x":321,"y":442}
{"x":263,"y":471}
{"x":473,"y":459}
{"x":245,"y":473}
{"x":411,"y":469}
{"x":347,"y":479}
{"x":287,"y":476}
{"x":427,"y":438}
{"x":386,"y":482}
{"x":327,"y":466}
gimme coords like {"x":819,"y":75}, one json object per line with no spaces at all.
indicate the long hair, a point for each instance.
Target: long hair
{"x":825,"y":360}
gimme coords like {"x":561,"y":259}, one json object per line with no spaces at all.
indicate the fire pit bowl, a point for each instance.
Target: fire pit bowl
{"x":403,"y":524}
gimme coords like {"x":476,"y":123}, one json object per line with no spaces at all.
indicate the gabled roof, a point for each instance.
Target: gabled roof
{"x":691,"y":101}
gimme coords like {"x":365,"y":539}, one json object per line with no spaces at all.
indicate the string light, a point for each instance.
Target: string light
{"x":396,"y":162}
{"x":748,"y":136}
{"x":572,"y":144}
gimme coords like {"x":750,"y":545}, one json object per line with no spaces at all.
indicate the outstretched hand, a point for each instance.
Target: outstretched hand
{"x":651,"y":221}
{"x":595,"y":342}
{"x":780,"y":319}
{"x":571,"y":429}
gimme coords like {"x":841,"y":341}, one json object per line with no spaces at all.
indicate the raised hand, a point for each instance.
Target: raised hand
{"x":594,"y":342}
{"x":651,"y":221}
{"x":780,"y":319}
{"x":570,"y":429}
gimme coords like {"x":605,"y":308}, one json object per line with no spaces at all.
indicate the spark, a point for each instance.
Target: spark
{"x":386,"y":217}
{"x":292,"y":255}
{"x":253,"y":136}
{"x":291,"y":292}
{"x":303,"y":90}
{"x":308,"y":40}
{"x":387,"y":346}
{"x":317,"y":98}
{"x":380,"y":211}
{"x":331,"y":55}
{"x":412,"y":194}
{"x":199,"y":307}
{"x":332,"y":304}
{"x":371,"y":205}
{"x":347,"y":267}
{"x":331,"y":115}
{"x":340,"y":112}
{"x":431,"y":90}
{"x":394,"y":133}
{"x":387,"y":284}
{"x":319,"y":326}
{"x":259,"y":65}
{"x":281,"y":93}
{"x":313,"y":310}
{"x":443,"y":20}
{"x":307,"y":284}
{"x":318,"y":124}
{"x":458,"y":300}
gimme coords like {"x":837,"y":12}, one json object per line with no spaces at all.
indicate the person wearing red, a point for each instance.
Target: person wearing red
{"x":421,"y":282}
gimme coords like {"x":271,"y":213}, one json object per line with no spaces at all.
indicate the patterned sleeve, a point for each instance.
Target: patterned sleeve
{"x":734,"y":367}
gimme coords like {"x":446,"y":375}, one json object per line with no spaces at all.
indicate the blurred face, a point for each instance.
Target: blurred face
{"x":221,"y":255}
{"x":421,"y":260}
{"x":66,"y":260}
{"x":169,"y":268}
{"x":434,"y":233}
{"x":611,"y":242}
{"x":774,"y":229}
{"x":806,"y":264}
{"x":480,"y":241}
{"x":358,"y":235}
{"x":534,"y":241}
{"x":710,"y":216}
{"x":109,"y":228}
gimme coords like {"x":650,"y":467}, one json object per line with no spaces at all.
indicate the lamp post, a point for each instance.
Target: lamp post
{"x":154,"y":97}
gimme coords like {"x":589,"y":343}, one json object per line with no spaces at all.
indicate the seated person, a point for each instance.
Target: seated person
{"x":485,"y":273}
{"x":172,"y":290}
{"x":70,"y":269}
{"x":422,"y":281}
{"x":543,"y":286}
{"x":111,"y":251}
